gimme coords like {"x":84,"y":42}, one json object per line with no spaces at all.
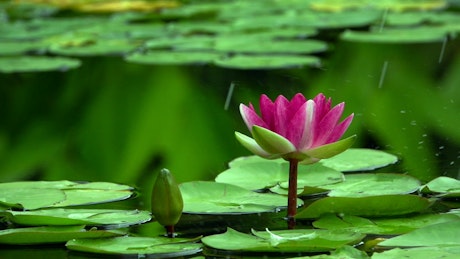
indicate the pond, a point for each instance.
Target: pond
{"x":113,"y":91}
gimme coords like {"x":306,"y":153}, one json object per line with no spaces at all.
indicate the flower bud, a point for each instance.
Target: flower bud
{"x":167,"y":203}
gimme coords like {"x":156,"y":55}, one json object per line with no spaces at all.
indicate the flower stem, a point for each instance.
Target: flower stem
{"x":292,"y":193}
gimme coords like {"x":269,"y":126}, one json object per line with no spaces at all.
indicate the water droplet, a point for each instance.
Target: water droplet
{"x":382,"y":75}
{"x":402,"y":111}
{"x":413,"y":123}
{"x":441,"y":147}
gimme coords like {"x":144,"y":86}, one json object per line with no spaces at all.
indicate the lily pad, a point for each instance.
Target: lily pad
{"x":301,"y":240}
{"x":12,"y":64}
{"x":442,"y":234}
{"x":438,"y":252}
{"x":44,"y":194}
{"x":52,"y":234}
{"x":141,"y":246}
{"x":373,"y":206}
{"x":397,"y":36}
{"x":221,"y":198}
{"x":360,"y":185}
{"x":241,"y":61}
{"x":344,"y":252}
{"x":173,"y":57}
{"x":268,"y":173}
{"x":444,"y":186}
{"x":359,"y":159}
{"x":58,"y":216}
{"x":382,"y":226}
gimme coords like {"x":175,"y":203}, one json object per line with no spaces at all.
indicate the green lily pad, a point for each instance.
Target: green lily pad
{"x":444,"y":186}
{"x":173,"y":57}
{"x":268,"y":173}
{"x":373,"y":206}
{"x":20,"y":47}
{"x":261,"y":45}
{"x":221,"y":198}
{"x":301,"y":240}
{"x":242,"y":61}
{"x":436,"y":252}
{"x":359,"y":159}
{"x":141,"y":246}
{"x":442,"y":234}
{"x":13,"y":64}
{"x":344,"y":252}
{"x":397,"y":36}
{"x":359,"y":185}
{"x":43,"y":194}
{"x":382,"y":226}
{"x":52,"y":234}
{"x":96,"y":47}
{"x":92,"y":217}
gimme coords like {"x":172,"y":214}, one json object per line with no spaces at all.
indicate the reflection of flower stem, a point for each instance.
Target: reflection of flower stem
{"x":292,"y":193}
{"x":170,"y":231}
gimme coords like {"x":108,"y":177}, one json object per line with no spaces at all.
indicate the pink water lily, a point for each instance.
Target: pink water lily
{"x":300,"y":129}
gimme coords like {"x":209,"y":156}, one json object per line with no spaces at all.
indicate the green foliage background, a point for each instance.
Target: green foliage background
{"x":112,"y":120}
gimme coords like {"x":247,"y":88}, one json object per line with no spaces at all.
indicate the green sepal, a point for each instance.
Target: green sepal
{"x":272,"y":142}
{"x":330,"y":150}
{"x":251,"y":145}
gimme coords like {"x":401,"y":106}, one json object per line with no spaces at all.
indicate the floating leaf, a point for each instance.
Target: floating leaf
{"x":20,"y":47}
{"x":268,"y":173}
{"x":359,"y":159}
{"x":173,"y":57}
{"x":438,"y":252}
{"x":344,"y":252}
{"x":446,"y":186}
{"x":220,"y":198}
{"x":300,"y":240}
{"x":42,"y":194}
{"x":382,"y":226}
{"x":241,"y":61}
{"x":359,"y":185}
{"x":141,"y":246}
{"x":260,"y":45}
{"x":12,"y":64}
{"x":397,"y":36}
{"x":92,"y":217}
{"x":442,"y":234}
{"x":384,"y":205}
{"x":52,"y":234}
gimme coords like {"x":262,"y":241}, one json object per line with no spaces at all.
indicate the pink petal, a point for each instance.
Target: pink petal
{"x":296,"y":126}
{"x":324,"y":128}
{"x":280,"y":119}
{"x":308,"y":133}
{"x":267,"y":111}
{"x":323,"y":106}
{"x":250,"y":117}
{"x":340,"y":129}
{"x":294,"y":105}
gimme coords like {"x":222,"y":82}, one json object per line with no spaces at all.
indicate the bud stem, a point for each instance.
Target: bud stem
{"x":170,"y":231}
{"x":292,"y":193}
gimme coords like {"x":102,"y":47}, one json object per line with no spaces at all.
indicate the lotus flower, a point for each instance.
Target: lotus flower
{"x":300,"y":129}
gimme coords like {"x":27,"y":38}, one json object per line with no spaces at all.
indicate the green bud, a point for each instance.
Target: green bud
{"x":167,"y":203}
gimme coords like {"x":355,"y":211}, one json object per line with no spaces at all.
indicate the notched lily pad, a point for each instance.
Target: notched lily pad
{"x":160,"y":247}
{"x":253,"y":174}
{"x":52,"y":234}
{"x":58,"y":216}
{"x":299,"y":240}
{"x":221,"y":198}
